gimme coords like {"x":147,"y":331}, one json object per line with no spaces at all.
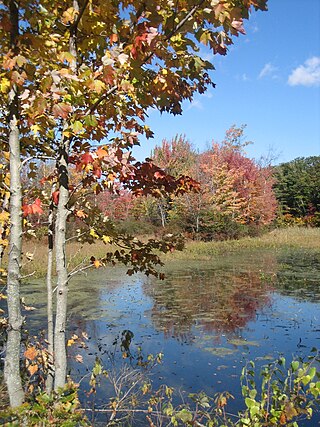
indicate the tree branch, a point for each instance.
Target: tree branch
{"x":168,"y":37}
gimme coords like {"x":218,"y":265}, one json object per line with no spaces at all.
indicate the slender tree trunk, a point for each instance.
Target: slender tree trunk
{"x":60,"y":351}
{"x":162,"y":213}
{"x":50,"y":377}
{"x":15,"y":320}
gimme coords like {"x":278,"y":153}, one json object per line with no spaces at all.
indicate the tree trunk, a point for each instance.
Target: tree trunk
{"x":50,"y":377}
{"x":60,"y":352}
{"x":15,"y":320}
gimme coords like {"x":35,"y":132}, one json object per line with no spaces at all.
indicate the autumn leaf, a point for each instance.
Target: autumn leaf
{"x":86,"y":158}
{"x":31,"y":353}
{"x":4,"y":217}
{"x":62,"y":110}
{"x":113,"y":38}
{"x":106,"y":239}
{"x":55,"y":197}
{"x":80,"y":213}
{"x":68,"y":16}
{"x":32,"y":369}
{"x":79,"y":358}
{"x":97,"y":263}
{"x":34,"y":208}
{"x":101,"y":153}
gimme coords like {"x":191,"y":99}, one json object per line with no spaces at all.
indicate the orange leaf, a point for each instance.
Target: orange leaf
{"x":36,"y":207}
{"x":97,"y":171}
{"x":31,"y":353}
{"x":32,"y":209}
{"x":101,"y":152}
{"x":283,"y":419}
{"x":113,"y":38}
{"x":81,"y":214}
{"x":32,"y":369}
{"x":97,"y":263}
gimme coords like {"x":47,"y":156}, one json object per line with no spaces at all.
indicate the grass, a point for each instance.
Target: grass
{"x":77,"y":255}
{"x":291,"y":237}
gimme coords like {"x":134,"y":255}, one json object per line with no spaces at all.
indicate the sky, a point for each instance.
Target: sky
{"x":268,"y":81}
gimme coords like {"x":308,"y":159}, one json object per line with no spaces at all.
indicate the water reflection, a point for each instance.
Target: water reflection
{"x":218,"y":302}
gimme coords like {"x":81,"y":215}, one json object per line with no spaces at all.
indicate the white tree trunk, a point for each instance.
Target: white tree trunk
{"x":60,"y":352}
{"x":15,"y":320}
{"x":50,"y":377}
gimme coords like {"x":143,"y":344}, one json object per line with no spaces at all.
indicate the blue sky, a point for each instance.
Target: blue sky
{"x":269,"y":80}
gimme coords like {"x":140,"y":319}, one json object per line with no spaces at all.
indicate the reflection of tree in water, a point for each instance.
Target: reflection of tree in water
{"x":299,"y":275}
{"x":217,"y":301}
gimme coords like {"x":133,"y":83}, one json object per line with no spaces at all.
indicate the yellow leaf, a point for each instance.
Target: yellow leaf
{"x":4,"y":216}
{"x":106,"y":239}
{"x":93,"y":233}
{"x":5,"y":85}
{"x":35,"y":128}
{"x":70,"y":342}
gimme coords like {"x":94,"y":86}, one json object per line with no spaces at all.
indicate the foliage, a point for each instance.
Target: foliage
{"x":297,"y":189}
{"x":283,"y":396}
{"x":59,"y":409}
{"x":235,"y":194}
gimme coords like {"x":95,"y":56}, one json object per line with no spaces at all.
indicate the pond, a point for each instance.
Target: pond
{"x":208,"y":319}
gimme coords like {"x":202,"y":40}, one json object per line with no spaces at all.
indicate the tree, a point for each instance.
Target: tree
{"x":297,"y":186}
{"x":76,"y":80}
{"x":236,"y":186}
{"x":234,"y":189}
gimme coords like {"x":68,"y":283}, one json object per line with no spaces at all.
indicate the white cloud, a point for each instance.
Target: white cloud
{"x":268,"y":70}
{"x":195,"y":104}
{"x":307,"y":74}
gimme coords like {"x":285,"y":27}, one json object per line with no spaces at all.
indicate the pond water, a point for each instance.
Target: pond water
{"x":208,"y":319}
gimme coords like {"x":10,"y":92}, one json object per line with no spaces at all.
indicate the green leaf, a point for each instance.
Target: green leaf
{"x":184,"y":415}
{"x":250,"y":402}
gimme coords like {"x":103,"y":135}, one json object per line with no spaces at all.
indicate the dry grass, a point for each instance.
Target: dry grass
{"x":291,"y":237}
{"x":77,"y":255}
{"x":80,"y":254}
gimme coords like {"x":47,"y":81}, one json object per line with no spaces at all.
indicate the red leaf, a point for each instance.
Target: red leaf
{"x":55,"y":197}
{"x":36,"y":207}
{"x":86,"y":158}
{"x":32,"y":209}
{"x":97,"y":172}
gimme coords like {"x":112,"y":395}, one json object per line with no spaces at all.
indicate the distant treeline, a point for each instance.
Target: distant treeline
{"x":237,"y":196}
{"x":297,"y":189}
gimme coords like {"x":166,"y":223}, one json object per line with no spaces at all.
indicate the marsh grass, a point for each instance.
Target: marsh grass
{"x":79,"y":255}
{"x":278,"y":239}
